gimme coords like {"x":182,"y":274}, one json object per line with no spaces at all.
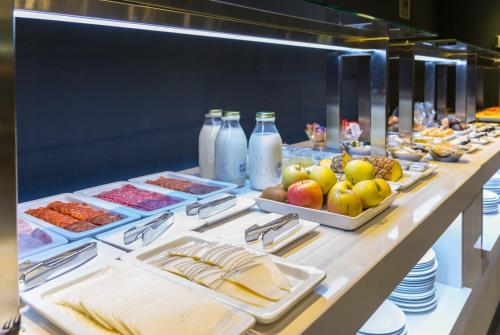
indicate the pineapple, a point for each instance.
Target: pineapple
{"x":340,"y":161}
{"x":386,"y":168}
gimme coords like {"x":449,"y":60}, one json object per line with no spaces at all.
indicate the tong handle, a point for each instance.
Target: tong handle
{"x":40,"y":273}
{"x":131,"y":235}
{"x":252,"y":233}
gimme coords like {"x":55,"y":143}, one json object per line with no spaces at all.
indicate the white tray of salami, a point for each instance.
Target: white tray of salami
{"x":193,"y":186}
{"x":215,"y":317}
{"x":142,"y":199}
{"x":325,"y":217}
{"x":123,"y":216}
{"x":299,"y":279}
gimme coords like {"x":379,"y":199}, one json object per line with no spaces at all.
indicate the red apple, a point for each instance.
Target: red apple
{"x":305,"y":193}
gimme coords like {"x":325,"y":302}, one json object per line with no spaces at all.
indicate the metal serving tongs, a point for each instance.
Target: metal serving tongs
{"x":270,"y":231}
{"x":206,"y":209}
{"x":149,"y":231}
{"x":33,"y":274}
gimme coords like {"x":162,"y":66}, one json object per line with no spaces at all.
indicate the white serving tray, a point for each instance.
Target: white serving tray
{"x":235,"y":232}
{"x":105,"y":253}
{"x":36,"y":299}
{"x":127,"y":215}
{"x":182,"y":223}
{"x":57,"y":240}
{"x":224,"y":187}
{"x":90,"y":194}
{"x":302,"y":278}
{"x":324,"y":217}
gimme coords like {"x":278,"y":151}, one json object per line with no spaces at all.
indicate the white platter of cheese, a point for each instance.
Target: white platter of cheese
{"x":119,"y":298}
{"x":263,"y":285}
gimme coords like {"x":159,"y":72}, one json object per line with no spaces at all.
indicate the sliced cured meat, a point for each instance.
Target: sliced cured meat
{"x":79,"y":211}
{"x":183,"y":185}
{"x":105,"y":219}
{"x":134,"y":197}
{"x":80,"y":226}
{"x":51,"y":216}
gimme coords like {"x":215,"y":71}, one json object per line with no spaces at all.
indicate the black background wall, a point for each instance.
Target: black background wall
{"x":97,"y":104}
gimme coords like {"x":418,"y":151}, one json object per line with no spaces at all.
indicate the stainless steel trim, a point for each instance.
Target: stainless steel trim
{"x":9,"y":302}
{"x":430,"y":83}
{"x":471,"y":86}
{"x":441,"y":90}
{"x":211,"y":16}
{"x":378,"y":79}
{"x":461,"y":91}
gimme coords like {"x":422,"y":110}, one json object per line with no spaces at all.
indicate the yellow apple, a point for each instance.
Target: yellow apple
{"x":359,"y":170}
{"x":345,"y":202}
{"x":384,"y":186}
{"x":324,"y":176}
{"x":341,"y":185}
{"x":370,"y":192}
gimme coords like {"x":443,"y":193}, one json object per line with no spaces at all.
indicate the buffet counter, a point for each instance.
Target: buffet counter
{"x":365,"y":265}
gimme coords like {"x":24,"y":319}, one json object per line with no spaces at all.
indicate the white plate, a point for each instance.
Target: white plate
{"x":323,"y":216}
{"x":56,"y":240}
{"x":302,"y":278}
{"x":409,"y":178}
{"x":105,"y":253}
{"x":223,"y":187}
{"x":182,"y":223}
{"x":36,"y":299}
{"x":91,"y":192}
{"x":69,"y":197}
{"x":429,"y":256}
{"x":388,"y":318}
{"x":235,"y":232}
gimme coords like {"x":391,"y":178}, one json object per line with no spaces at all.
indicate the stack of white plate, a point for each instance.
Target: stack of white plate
{"x":417,"y":292}
{"x":493,"y":184}
{"x":490,"y":202}
{"x":388,"y":319}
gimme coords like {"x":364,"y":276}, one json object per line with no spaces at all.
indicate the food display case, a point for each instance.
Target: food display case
{"x":119,"y":230}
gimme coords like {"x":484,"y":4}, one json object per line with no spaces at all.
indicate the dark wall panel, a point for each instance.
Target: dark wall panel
{"x":98,"y":104}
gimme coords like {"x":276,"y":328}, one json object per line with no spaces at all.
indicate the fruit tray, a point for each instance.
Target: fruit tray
{"x":323,"y":216}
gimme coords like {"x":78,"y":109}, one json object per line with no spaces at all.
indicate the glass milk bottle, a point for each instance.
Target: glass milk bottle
{"x":231,"y":150}
{"x":206,"y":143}
{"x":264,"y":158}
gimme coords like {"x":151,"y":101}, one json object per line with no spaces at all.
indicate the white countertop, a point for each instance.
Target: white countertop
{"x":365,"y":265}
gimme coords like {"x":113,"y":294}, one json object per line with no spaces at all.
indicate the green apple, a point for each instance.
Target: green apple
{"x":345,"y":202}
{"x":370,"y":192}
{"x":384,"y":186}
{"x":358,"y":170}
{"x":294,"y":173}
{"x":324,"y":176}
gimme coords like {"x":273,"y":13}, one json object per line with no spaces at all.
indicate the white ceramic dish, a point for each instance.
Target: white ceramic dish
{"x":127,"y":215}
{"x":409,"y":178}
{"x":223,"y":187}
{"x":323,"y":216}
{"x":37,"y":300}
{"x":182,"y":223}
{"x":57,"y":240}
{"x":235,"y":232}
{"x":105,"y":253}
{"x":91,"y":193}
{"x":387,"y":319}
{"x":302,"y":278}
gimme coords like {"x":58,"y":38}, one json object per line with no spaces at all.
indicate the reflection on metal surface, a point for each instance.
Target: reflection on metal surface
{"x":441,"y":90}
{"x":461,"y":91}
{"x":185,"y":31}
{"x":437,"y":59}
{"x":8,"y":242}
{"x":430,"y":84}
{"x":371,"y":100}
{"x":207,"y":16}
